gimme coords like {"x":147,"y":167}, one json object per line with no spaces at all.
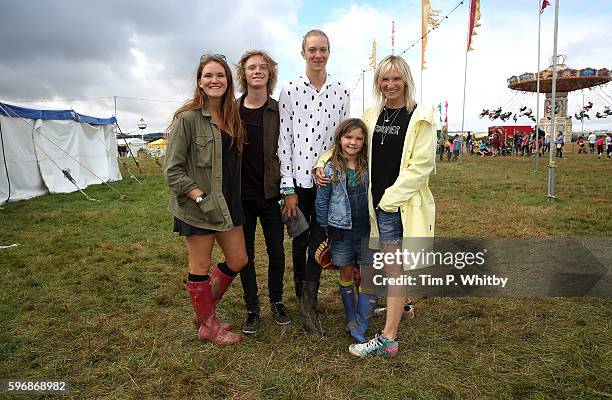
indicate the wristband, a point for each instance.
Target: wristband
{"x":288,"y":191}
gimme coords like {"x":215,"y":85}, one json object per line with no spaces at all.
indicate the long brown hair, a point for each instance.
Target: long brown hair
{"x":230,"y":115}
{"x":338,"y":161}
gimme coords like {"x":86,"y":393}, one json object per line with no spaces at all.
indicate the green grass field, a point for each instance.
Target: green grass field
{"x":94,"y":294}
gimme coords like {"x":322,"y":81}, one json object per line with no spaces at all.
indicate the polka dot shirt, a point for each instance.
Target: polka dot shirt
{"x":308,"y":121}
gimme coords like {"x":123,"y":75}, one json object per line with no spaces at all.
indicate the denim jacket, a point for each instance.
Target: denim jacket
{"x":332,"y":204}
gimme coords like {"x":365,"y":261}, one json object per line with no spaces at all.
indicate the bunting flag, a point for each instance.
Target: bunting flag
{"x":428,"y":20}
{"x":545,"y":4}
{"x":446,"y":114}
{"x":373,"y":55}
{"x":474,"y":21}
{"x":393,"y":36}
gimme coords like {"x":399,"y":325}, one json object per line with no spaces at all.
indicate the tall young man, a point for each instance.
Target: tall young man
{"x":257,"y":74}
{"x":311,"y":107}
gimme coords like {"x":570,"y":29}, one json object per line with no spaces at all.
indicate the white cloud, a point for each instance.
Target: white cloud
{"x":168,"y":40}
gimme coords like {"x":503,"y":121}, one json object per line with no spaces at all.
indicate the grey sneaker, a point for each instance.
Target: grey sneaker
{"x":250,"y":323}
{"x":281,"y":316}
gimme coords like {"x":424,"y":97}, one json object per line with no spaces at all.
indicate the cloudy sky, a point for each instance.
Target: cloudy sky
{"x":146,"y":52}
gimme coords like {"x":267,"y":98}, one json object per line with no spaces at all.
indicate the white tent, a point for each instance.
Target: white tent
{"x":135,"y":144}
{"x":39,"y":147}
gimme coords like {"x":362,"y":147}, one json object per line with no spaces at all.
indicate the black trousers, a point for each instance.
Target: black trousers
{"x":268,"y":212}
{"x":305,"y":268}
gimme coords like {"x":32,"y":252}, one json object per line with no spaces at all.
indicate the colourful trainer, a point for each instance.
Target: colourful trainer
{"x":379,"y":346}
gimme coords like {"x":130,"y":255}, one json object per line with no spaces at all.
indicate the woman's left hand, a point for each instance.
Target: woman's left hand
{"x":320,"y":178}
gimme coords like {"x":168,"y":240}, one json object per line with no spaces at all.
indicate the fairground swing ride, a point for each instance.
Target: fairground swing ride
{"x":591,"y":82}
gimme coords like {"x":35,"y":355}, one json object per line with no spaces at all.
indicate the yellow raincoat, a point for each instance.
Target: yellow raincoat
{"x":410,"y":193}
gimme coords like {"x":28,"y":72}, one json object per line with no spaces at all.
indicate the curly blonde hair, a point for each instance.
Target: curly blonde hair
{"x":272,"y":70}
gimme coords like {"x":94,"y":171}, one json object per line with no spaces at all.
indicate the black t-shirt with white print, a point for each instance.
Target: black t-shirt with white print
{"x":387,"y":149}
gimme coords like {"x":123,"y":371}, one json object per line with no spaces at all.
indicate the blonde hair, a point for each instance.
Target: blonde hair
{"x":337,"y":159}
{"x":399,"y":64}
{"x":272,"y":70}
{"x":230,"y":114}
{"x":315,"y":32}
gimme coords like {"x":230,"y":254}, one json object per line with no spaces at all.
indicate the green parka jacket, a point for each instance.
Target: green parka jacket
{"x":193,"y":160}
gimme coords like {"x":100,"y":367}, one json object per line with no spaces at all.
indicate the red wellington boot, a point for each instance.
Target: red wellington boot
{"x":196,"y":324}
{"x":210,"y":329}
{"x":219,"y":282}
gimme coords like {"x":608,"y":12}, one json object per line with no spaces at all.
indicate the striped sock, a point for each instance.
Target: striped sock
{"x":344,"y":283}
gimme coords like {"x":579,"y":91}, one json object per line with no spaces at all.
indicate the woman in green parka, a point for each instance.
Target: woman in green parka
{"x":203,"y":172}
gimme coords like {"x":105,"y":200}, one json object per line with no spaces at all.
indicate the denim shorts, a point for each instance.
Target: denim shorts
{"x":350,"y":249}
{"x":389,"y":227}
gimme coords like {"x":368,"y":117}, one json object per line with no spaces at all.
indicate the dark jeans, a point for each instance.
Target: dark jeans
{"x":307,"y":269}
{"x":268,"y":212}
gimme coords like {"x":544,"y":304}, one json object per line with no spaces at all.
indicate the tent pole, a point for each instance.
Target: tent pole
{"x":128,"y":147}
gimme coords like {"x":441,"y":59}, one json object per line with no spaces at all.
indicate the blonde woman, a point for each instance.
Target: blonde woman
{"x":401,"y":156}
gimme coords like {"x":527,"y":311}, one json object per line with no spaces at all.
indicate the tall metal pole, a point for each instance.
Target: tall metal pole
{"x":537,"y":130}
{"x":553,"y":104}
{"x":423,"y":44}
{"x":421,"y":85}
{"x":115,"y":98}
{"x":464,"y":90}
{"x":582,"y":120}
{"x":363,"y":91}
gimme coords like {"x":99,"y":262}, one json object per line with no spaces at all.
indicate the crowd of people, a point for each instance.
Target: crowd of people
{"x":231,"y":161}
{"x":520,"y":144}
{"x":600,"y":142}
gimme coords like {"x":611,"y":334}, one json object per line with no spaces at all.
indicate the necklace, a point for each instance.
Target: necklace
{"x":387,"y":118}
{"x":393,"y":114}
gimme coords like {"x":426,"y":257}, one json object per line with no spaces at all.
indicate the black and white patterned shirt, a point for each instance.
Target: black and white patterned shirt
{"x":308,"y":121}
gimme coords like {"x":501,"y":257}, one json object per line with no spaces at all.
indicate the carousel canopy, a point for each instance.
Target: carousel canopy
{"x":568,"y":79}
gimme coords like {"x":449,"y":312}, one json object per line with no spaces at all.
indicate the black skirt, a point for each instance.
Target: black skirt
{"x":184,"y":229}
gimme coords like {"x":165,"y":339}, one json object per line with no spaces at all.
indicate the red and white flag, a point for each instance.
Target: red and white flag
{"x":474,"y":21}
{"x":393,"y":36}
{"x":446,"y":114}
{"x":545,"y":4}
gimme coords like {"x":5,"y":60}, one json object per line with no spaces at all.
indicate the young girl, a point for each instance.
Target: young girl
{"x":342,"y":210}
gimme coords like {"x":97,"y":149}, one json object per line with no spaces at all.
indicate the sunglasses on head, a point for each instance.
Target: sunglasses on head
{"x":211,"y":55}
